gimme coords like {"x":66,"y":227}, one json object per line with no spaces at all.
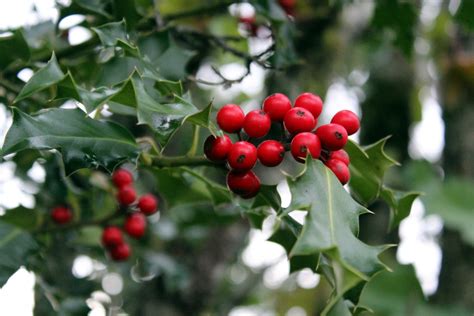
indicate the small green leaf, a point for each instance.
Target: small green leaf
{"x":400,"y":204}
{"x":368,"y":166}
{"x":42,"y":79}
{"x":15,"y":246}
{"x":83,"y":142}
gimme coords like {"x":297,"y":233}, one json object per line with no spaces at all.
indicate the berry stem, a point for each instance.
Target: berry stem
{"x":179,"y":161}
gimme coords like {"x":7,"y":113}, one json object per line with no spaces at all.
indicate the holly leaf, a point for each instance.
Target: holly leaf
{"x":22,"y":217}
{"x":165,"y":118}
{"x":13,"y":48}
{"x":368,"y":166}
{"x":82,"y":141}
{"x":400,"y":204}
{"x":15,"y":246}
{"x":45,"y":77}
{"x":331,"y":227}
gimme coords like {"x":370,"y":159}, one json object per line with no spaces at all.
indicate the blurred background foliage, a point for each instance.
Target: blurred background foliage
{"x":406,"y":66}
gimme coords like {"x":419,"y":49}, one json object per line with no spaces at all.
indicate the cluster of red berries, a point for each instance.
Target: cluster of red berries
{"x":135,"y":220}
{"x":325,"y":143}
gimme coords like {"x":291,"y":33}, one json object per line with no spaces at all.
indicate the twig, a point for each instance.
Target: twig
{"x":158,"y":18}
{"x":79,"y":224}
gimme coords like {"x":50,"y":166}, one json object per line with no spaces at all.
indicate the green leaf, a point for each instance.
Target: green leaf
{"x":15,"y":247}
{"x":22,"y":217}
{"x":451,"y":198}
{"x":368,"y":166}
{"x":164,"y":118}
{"x":83,"y":142}
{"x":115,"y":34}
{"x":465,"y":13}
{"x":331,"y":226}
{"x":401,"y":18}
{"x":400,"y":204}
{"x":13,"y":48}
{"x":42,"y":79}
{"x":170,"y":58}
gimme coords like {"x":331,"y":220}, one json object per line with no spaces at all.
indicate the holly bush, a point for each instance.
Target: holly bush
{"x":119,"y":123}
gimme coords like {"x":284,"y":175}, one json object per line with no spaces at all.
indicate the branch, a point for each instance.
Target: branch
{"x":79,"y":224}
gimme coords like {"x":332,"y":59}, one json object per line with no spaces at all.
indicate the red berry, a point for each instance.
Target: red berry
{"x":304,"y":143}
{"x":122,"y":177}
{"x":217,"y":148}
{"x":276,"y":106}
{"x":298,"y":120}
{"x":112,"y":236}
{"x":332,"y":136}
{"x":340,"y":169}
{"x":230,"y":118}
{"x":257,"y":123}
{"x":61,"y":215}
{"x":248,"y":19}
{"x":246,"y":184}
{"x":126,"y":195}
{"x":147,"y":204}
{"x":120,"y":252}
{"x":135,"y":225}
{"x":242,"y":156}
{"x":348,"y":119}
{"x":310,"y":102}
{"x":341,"y":155}
{"x":271,"y":153}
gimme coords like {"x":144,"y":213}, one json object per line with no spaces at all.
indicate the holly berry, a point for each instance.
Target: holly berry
{"x":341,"y":155}
{"x":298,"y":120}
{"x":246,"y":184}
{"x":271,"y":153}
{"x":276,"y":106}
{"x":340,"y":169}
{"x":288,"y":6}
{"x":348,"y":119}
{"x":310,"y":102}
{"x":230,"y":118}
{"x":122,"y":177}
{"x":242,"y":156}
{"x":305,"y":143}
{"x":112,"y":236}
{"x":126,"y":195}
{"x":217,"y":148}
{"x":61,"y":215}
{"x":257,"y":124}
{"x":332,"y":136}
{"x":147,"y":204}
{"x":120,"y":252}
{"x":135,"y":225}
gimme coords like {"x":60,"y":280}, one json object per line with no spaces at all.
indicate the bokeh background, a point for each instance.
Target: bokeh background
{"x":406,"y":67}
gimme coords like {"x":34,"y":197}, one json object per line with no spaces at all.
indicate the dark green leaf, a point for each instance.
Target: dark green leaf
{"x":368,"y":166}
{"x":13,"y":48}
{"x":15,"y":246}
{"x":22,"y":217}
{"x":401,"y":18}
{"x":83,"y":142}
{"x":400,"y":204}
{"x":465,"y":13}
